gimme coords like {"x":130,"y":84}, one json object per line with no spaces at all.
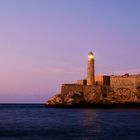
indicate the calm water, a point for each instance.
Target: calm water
{"x":23,"y":122}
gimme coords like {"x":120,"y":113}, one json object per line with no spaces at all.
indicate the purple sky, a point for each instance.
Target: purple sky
{"x":44,"y":43}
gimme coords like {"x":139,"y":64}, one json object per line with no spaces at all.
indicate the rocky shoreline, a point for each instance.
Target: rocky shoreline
{"x":95,"y":97}
{"x":99,"y":106}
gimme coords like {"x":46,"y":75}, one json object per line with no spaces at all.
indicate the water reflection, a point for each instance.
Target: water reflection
{"x":88,"y":118}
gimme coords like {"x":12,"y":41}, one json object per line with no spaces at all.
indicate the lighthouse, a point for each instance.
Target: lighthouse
{"x":90,"y":69}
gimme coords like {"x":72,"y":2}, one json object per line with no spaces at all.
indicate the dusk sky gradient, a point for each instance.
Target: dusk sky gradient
{"x":44,"y":43}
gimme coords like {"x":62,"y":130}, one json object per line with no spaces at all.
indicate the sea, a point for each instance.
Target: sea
{"x":36,"y":122}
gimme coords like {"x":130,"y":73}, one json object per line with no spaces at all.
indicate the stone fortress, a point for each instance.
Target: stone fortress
{"x":101,"y":90}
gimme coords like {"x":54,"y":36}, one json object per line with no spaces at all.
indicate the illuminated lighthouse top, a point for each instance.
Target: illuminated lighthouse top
{"x":90,"y":56}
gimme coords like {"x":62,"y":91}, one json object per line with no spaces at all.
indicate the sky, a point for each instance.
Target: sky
{"x":44,"y":43}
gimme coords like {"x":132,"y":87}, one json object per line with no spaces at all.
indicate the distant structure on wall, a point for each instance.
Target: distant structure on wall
{"x":103,"y":89}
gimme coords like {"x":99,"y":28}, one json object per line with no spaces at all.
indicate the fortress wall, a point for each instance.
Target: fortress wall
{"x":66,"y":88}
{"x":99,"y":80}
{"x":138,"y":82}
{"x":92,"y":94}
{"x":120,"y":93}
{"x":123,"y":82}
{"x":82,"y":82}
{"x":102,"y":80}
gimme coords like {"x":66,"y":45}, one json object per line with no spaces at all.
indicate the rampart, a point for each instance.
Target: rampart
{"x":126,"y":81}
{"x":118,"y":93}
{"x":90,"y":93}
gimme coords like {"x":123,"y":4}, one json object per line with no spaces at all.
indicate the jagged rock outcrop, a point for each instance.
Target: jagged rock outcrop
{"x":55,"y":100}
{"x":68,"y":99}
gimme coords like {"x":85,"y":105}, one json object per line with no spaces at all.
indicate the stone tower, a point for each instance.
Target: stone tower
{"x":90,"y":69}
